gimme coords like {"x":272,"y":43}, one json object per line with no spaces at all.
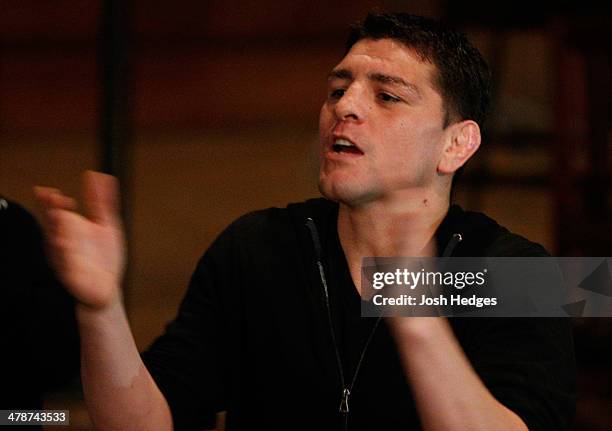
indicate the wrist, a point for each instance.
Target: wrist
{"x":98,"y":314}
{"x":416,"y":330}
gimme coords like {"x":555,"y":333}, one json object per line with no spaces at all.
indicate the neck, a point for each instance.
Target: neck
{"x":401,"y":225}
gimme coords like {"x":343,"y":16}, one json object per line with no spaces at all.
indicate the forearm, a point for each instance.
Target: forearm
{"x":119,"y":391}
{"x":448,"y":393}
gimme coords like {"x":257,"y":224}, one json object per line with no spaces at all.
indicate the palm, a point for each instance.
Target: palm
{"x":91,"y":263}
{"x":87,"y":251}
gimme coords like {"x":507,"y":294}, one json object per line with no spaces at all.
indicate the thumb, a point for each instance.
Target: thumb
{"x":101,"y":197}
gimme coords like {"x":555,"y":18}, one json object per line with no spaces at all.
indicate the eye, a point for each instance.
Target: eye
{"x":337,"y":93}
{"x":386,"y":97}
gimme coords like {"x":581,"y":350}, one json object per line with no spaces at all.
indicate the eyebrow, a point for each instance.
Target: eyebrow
{"x":376,"y":76}
{"x":340,"y":74}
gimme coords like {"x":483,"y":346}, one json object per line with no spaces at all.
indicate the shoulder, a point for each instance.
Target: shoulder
{"x":18,"y":227}
{"x":483,"y":236}
{"x":263,"y":233}
{"x":277,"y":220}
{"x":14,"y":215}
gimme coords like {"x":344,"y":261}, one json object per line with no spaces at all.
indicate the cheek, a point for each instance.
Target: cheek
{"x":411,"y":146}
{"x":401,"y":142}
{"x":325,"y":119}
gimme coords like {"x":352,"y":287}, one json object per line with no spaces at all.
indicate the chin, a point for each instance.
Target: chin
{"x":327,"y":190}
{"x":343,"y":192}
{"x":336,"y":185}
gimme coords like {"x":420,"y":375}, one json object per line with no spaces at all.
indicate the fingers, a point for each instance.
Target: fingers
{"x":65,"y":229}
{"x":51,"y":200}
{"x":101,"y":197}
{"x":60,"y":223}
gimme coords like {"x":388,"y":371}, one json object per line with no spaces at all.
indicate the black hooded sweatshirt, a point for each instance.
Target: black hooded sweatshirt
{"x":256,"y":337}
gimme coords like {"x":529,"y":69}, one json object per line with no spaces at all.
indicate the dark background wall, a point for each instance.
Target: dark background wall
{"x":215,"y":114}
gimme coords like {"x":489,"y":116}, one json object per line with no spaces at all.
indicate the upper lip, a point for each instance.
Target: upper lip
{"x":336,"y":136}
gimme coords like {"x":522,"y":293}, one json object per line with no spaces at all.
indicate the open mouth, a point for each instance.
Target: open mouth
{"x":344,"y":146}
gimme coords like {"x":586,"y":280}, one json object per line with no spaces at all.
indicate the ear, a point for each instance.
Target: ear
{"x":463,"y":139}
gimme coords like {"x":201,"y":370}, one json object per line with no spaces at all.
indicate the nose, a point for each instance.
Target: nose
{"x":351,"y":106}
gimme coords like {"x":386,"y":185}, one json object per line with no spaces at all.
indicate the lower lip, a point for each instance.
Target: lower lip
{"x":333,"y":155}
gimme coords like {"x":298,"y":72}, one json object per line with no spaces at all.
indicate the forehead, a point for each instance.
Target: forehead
{"x":388,"y":56}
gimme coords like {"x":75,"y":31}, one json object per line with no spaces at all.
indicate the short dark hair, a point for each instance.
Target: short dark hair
{"x":463,"y":77}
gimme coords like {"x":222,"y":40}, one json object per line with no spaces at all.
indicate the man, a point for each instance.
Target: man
{"x":38,"y":331}
{"x":269,"y":329}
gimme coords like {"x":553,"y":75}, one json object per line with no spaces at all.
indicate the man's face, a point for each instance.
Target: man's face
{"x":381,"y":126}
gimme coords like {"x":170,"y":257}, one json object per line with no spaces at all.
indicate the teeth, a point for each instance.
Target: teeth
{"x":343,"y":142}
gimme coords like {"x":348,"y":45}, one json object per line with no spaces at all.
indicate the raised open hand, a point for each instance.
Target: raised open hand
{"x":87,"y":250}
